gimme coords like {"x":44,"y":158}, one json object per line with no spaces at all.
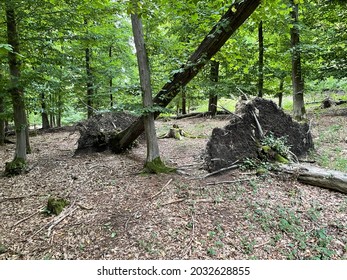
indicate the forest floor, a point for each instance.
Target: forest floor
{"x":115,"y":212}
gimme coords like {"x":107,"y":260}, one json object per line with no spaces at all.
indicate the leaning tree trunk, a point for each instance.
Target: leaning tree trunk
{"x":261,"y":60}
{"x":18,"y":164}
{"x":298,"y":83}
{"x":220,"y":33}
{"x":213,"y":99}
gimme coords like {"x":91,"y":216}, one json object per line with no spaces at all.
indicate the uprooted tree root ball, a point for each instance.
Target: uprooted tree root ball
{"x":241,"y":138}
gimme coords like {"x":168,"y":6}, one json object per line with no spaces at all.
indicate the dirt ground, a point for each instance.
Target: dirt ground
{"x":115,"y":212}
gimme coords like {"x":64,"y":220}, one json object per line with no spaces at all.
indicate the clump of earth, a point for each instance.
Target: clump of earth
{"x":239,"y":139}
{"x":96,"y":131}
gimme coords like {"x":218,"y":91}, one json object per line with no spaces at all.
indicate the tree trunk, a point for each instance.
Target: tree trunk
{"x":280,"y":93}
{"x":110,"y":81}
{"x":316,"y":176}
{"x":220,"y":33}
{"x":261,"y":60}
{"x":213,"y":99}
{"x":18,"y":164}
{"x":44,"y":114}
{"x":299,"y":111}
{"x":153,"y":162}
{"x":2,"y":120}
{"x":90,"y":84}
{"x":184,"y":101}
{"x":60,"y":109}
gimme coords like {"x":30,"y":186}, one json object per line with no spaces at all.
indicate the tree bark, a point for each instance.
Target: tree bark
{"x":90,"y":84}
{"x":261,"y":60}
{"x":299,"y":111}
{"x":280,"y":93}
{"x":110,"y":81}
{"x":17,"y":94}
{"x":316,"y":176}
{"x":2,"y":120}
{"x":184,"y":101}
{"x":220,"y":33}
{"x":213,"y":99}
{"x":44,"y":114}
{"x":153,"y":162}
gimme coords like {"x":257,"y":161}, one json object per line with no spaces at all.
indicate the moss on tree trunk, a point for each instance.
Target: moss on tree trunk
{"x":16,"y":167}
{"x":157,"y":166}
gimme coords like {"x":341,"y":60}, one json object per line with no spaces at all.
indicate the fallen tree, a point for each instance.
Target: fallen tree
{"x":316,"y":176}
{"x":220,"y":33}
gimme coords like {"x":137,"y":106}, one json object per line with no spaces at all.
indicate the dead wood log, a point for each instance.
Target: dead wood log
{"x":235,"y":16}
{"x":316,"y":176}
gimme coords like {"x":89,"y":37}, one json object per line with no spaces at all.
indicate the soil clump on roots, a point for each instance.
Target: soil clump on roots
{"x":252,"y":120}
{"x":96,"y":131}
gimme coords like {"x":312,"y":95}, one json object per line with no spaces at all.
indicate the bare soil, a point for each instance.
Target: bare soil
{"x":115,"y":212}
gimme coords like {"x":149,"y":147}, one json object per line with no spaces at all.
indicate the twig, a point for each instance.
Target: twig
{"x":262,"y":244}
{"x":233,"y":166}
{"x":17,"y":197}
{"x":59,"y":220}
{"x":26,"y":218}
{"x":174,"y":201}
{"x":158,"y":193}
{"x":55,"y":220}
{"x":228,"y":182}
{"x":189,"y":247}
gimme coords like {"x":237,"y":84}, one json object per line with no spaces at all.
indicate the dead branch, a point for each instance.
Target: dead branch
{"x":61,"y":218}
{"x":189,"y":246}
{"x":233,"y":166}
{"x":261,"y":133}
{"x":162,"y":189}
{"x":173,"y":201}
{"x":316,"y":176}
{"x":26,"y":218}
{"x":67,"y":212}
{"x":228,"y":182}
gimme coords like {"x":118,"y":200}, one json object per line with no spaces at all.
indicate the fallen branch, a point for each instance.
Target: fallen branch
{"x":233,"y":166}
{"x":316,"y":176}
{"x":67,"y":212}
{"x":189,"y":246}
{"x":61,"y":218}
{"x":26,"y":218}
{"x":162,"y":189}
{"x":228,"y":182}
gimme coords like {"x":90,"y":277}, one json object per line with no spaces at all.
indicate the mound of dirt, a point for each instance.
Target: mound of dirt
{"x":96,"y":131}
{"x":238,"y":140}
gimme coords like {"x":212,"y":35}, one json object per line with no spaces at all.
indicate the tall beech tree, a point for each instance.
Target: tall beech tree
{"x":298,"y":82}
{"x":153,"y":162}
{"x":18,"y":164}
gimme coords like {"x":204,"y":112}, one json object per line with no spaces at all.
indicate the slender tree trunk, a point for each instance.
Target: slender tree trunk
{"x":261,"y":60}
{"x":298,"y":83}
{"x":111,"y":82}
{"x":90,"y":83}
{"x":18,"y":164}
{"x":153,"y":161}
{"x":44,"y":114}
{"x":280,"y":93}
{"x":2,"y":120}
{"x":60,"y":109}
{"x":213,"y":99}
{"x":220,"y":33}
{"x":184,"y":101}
